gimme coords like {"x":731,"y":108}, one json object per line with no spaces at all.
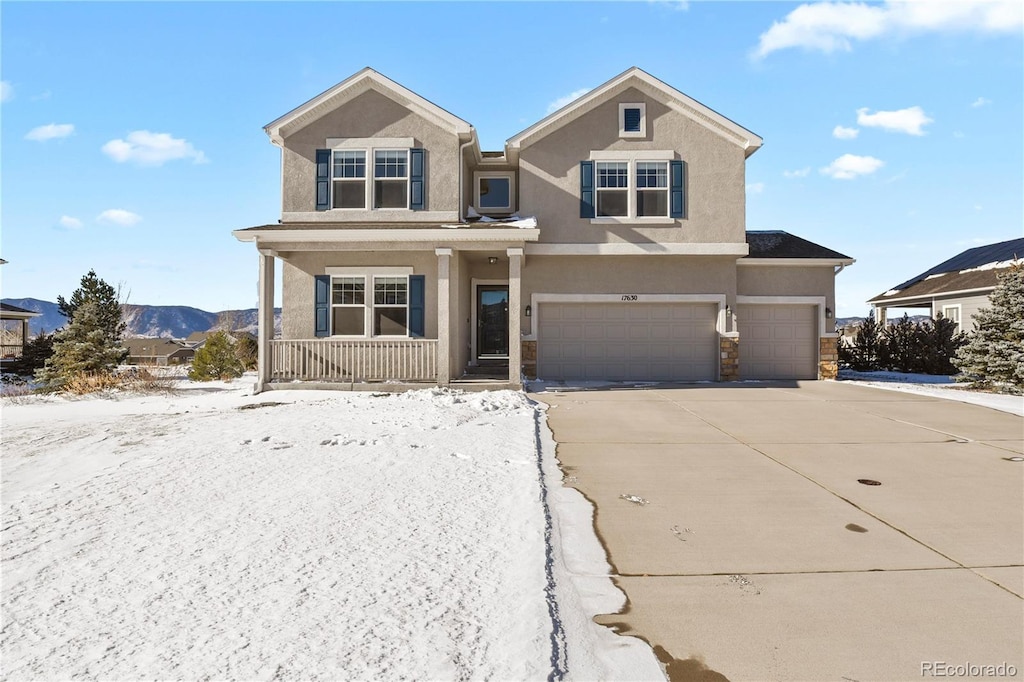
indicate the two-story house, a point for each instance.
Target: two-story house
{"x":605,"y":242}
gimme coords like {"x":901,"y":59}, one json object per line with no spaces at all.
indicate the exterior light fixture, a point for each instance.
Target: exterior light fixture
{"x":828,"y":312}
{"x":492,"y":260}
{"x":529,"y":311}
{"x":728,"y":310}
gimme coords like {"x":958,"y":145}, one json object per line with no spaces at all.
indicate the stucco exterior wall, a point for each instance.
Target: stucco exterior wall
{"x":298,"y":293}
{"x":549,"y":177}
{"x":626,"y":275}
{"x":782,"y":280}
{"x":370,"y":115}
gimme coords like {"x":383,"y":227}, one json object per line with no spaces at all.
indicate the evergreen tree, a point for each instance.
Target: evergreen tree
{"x":903,"y":345}
{"x":868,"y":349}
{"x":217,"y":359}
{"x":37,"y":351}
{"x":82,"y":347}
{"x":247,"y":351}
{"x":994,"y":352}
{"x":92,"y":288}
{"x":939,"y":343}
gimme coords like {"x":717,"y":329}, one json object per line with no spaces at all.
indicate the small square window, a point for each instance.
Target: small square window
{"x":495,"y":192}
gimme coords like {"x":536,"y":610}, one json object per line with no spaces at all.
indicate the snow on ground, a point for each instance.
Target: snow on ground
{"x":210,"y":533}
{"x":936,"y":387}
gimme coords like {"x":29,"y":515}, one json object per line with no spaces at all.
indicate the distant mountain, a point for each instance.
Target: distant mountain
{"x":171,"y":321}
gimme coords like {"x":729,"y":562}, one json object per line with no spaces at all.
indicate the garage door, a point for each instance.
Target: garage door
{"x":627,"y":341}
{"x":778,"y":341}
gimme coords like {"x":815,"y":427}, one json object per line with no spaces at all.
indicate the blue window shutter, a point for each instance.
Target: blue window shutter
{"x":417,"y":305}
{"x":676,"y":189}
{"x":631,"y":122}
{"x":323,"y":179}
{"x":587,"y":189}
{"x":323,"y":305}
{"x":417,"y":198}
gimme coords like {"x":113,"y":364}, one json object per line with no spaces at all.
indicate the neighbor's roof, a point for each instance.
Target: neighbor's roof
{"x":19,"y":312}
{"x":153,"y":347}
{"x":640,"y":79}
{"x":779,"y":244}
{"x":971,"y":270}
{"x":351,"y":87}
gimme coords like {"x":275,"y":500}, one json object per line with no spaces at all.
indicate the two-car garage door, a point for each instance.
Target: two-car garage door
{"x":778,"y":341}
{"x":627,"y":341}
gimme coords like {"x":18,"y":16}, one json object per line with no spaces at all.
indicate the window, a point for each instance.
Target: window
{"x":345,"y":181}
{"x":349,"y":179}
{"x":612,"y":189}
{"x":651,"y":188}
{"x":494,"y":192}
{"x":387,"y":311}
{"x":391,"y":179}
{"x":633,"y":120}
{"x":952,"y":312}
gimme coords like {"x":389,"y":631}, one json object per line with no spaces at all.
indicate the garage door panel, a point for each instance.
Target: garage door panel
{"x":778,"y":341}
{"x":628,"y":341}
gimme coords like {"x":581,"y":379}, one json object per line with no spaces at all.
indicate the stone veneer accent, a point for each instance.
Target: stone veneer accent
{"x":530,"y":359}
{"x":730,"y":366}
{"x":828,"y":357}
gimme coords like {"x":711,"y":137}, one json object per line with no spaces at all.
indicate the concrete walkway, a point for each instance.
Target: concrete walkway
{"x":752,"y":552}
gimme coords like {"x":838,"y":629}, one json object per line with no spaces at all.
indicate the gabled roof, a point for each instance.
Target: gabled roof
{"x":355,"y":85}
{"x":971,"y":270}
{"x":17,"y":313}
{"x":779,"y":244}
{"x":636,"y":77}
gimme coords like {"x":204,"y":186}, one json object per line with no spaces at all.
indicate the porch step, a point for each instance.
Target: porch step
{"x":497,"y":372}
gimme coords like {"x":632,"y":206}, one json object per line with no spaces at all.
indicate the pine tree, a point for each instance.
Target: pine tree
{"x":217,"y":359}
{"x":83,"y":347}
{"x":92,"y":288}
{"x":903,"y":345}
{"x":868,"y":348}
{"x":994,"y":352}
{"x":939,"y":343}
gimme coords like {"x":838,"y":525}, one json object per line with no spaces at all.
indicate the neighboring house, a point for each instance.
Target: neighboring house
{"x":956,"y":288}
{"x":197,"y":340}
{"x":159,"y":351}
{"x":13,"y":331}
{"x":606,"y":242}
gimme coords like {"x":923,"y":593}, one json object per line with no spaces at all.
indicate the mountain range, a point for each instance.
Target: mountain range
{"x":168,"y":321}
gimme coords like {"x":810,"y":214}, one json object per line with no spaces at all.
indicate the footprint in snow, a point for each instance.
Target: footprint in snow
{"x":460,"y":456}
{"x":329,"y":441}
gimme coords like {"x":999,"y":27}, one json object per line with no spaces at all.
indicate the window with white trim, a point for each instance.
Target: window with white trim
{"x":494,"y":192}
{"x":952,"y":313}
{"x":390,"y":186}
{"x":632,"y":189}
{"x":385,"y":313}
{"x":633,"y":120}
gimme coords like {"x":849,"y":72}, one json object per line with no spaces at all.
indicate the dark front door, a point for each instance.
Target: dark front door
{"x":492,"y":322}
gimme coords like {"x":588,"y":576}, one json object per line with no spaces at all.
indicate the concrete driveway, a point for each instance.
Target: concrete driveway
{"x":752,"y":552}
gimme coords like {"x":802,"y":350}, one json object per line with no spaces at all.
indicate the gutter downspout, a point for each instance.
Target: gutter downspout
{"x":462,"y":163}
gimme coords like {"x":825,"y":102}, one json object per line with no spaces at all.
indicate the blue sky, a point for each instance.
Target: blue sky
{"x":132,"y":136}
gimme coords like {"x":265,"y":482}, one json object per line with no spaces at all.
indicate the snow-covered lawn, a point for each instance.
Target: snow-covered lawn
{"x":210,"y":533}
{"x":936,"y":387}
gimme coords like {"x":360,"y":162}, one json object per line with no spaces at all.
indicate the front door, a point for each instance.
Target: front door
{"x":492,"y":321}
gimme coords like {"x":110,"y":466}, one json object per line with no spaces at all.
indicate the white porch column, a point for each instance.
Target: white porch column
{"x":265,"y":319}
{"x":515,"y":312}
{"x":444,"y":327}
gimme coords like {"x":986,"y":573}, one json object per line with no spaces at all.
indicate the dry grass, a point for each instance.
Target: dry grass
{"x":136,"y":380}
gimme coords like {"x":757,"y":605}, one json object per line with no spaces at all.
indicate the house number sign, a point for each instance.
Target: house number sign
{"x":630,"y":297}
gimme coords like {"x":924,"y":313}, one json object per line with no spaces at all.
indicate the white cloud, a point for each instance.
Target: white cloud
{"x":849,"y":166}
{"x":51,"y":131}
{"x":562,"y":101}
{"x":841,"y":133}
{"x":677,"y":5}
{"x":755,"y":188}
{"x":70,"y":223}
{"x":118,"y":216}
{"x":152,"y":149}
{"x":6,"y":91}
{"x":910,"y":120}
{"x":980,"y":102}
{"x":801,"y":173}
{"x":833,"y":26}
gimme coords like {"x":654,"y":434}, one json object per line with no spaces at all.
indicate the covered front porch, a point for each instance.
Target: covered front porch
{"x":409,"y":307}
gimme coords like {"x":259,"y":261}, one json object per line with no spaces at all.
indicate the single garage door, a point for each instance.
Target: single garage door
{"x":778,"y":341}
{"x":627,"y":341}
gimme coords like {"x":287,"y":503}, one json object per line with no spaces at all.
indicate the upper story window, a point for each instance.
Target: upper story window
{"x":344,"y":181}
{"x":633,"y":120}
{"x":638,"y":185}
{"x":495,"y":192}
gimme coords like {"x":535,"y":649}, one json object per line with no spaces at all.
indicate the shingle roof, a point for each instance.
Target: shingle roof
{"x":779,"y":244}
{"x":949,"y":276}
{"x":7,"y":307}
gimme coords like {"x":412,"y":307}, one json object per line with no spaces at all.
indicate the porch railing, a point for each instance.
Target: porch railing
{"x":352,"y":360}
{"x":10,"y":351}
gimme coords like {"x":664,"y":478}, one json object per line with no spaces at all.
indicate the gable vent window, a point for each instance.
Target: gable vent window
{"x":633,"y":120}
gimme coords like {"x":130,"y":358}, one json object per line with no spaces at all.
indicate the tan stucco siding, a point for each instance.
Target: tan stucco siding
{"x":549,"y":177}
{"x":298,"y":270}
{"x":626,"y":275}
{"x":780,"y":280}
{"x":371,"y":115}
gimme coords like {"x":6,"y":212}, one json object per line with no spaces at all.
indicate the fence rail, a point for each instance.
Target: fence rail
{"x":10,"y":351}
{"x":349,"y":360}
